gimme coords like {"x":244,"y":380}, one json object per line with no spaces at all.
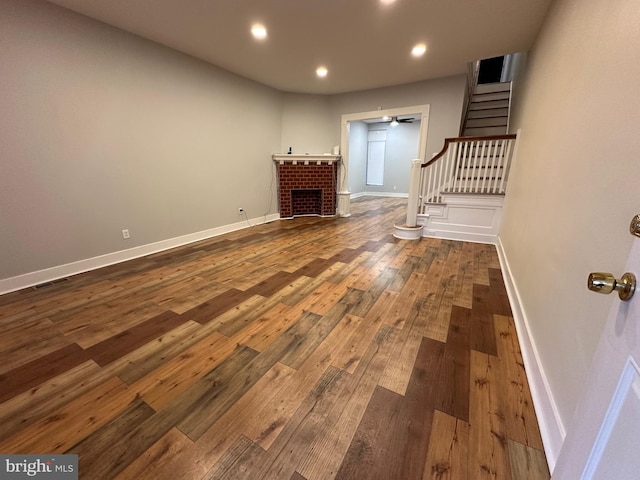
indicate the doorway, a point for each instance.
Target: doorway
{"x":360,"y":121}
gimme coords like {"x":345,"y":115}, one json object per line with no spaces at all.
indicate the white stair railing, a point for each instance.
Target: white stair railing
{"x":477,"y":165}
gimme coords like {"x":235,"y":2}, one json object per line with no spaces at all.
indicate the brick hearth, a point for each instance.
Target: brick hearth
{"x":313,"y":184}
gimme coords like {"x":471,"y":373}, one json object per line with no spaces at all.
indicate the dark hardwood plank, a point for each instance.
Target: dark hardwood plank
{"x":35,"y":372}
{"x":452,"y":395}
{"x":96,"y":453}
{"x":272,"y":284}
{"x":405,"y":434}
{"x":207,"y":311}
{"x":482,"y":335}
{"x":119,"y":345}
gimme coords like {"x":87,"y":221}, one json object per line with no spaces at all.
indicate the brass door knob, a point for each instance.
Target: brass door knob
{"x":606,"y":283}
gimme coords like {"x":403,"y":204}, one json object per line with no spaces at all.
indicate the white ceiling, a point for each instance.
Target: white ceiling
{"x":364,"y":43}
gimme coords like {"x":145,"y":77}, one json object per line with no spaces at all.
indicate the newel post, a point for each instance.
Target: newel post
{"x":414,"y":193}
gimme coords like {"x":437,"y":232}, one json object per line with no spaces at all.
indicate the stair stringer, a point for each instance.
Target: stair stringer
{"x":465,"y":217}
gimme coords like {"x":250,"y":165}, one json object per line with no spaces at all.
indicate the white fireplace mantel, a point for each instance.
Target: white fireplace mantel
{"x":305,"y":159}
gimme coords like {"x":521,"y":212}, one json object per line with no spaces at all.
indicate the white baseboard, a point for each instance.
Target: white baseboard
{"x":49,"y":274}
{"x":551,"y":427}
{"x":460,"y":236}
{"x":379,"y":194}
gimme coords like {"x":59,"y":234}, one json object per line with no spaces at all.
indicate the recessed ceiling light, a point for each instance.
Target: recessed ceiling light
{"x":386,"y":119}
{"x":387,"y":2}
{"x":419,"y":50}
{"x":322,"y":71}
{"x":259,"y":31}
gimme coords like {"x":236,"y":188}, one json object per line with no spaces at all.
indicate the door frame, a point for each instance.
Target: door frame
{"x":344,"y":195}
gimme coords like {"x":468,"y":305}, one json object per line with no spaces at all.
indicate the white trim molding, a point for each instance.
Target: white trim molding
{"x":552,"y":429}
{"x":379,"y":194}
{"x":30,"y":279}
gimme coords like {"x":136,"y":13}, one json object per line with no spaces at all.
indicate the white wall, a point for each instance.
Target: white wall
{"x":401,"y":147}
{"x":306,"y":124}
{"x":444,"y":95}
{"x":101,"y":130}
{"x":357,"y":157}
{"x":574,"y":187}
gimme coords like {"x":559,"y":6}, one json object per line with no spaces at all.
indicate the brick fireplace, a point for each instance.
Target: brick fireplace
{"x":307,"y":184}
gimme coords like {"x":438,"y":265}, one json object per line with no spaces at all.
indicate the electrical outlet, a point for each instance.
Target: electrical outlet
{"x":125,"y":234}
{"x":240,"y":211}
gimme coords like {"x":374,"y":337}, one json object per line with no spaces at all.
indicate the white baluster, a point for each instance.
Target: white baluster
{"x":500,"y":162}
{"x":447,"y":171}
{"x":465,"y":163}
{"x":456,"y":168}
{"x":493,"y":166}
{"x":483,"y":166}
{"x":474,"y":172}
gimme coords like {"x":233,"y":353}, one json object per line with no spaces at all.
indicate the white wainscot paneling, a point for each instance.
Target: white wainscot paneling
{"x":474,"y":218}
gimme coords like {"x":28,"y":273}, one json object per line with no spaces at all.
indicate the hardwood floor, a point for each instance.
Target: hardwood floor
{"x":302,"y":349}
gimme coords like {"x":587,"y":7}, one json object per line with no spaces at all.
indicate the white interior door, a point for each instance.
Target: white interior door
{"x":603,"y":441}
{"x":377,"y":141}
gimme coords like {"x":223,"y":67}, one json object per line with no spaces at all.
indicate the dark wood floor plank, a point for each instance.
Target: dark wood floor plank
{"x":452,"y":395}
{"x":482,"y":336}
{"x":404,"y":436}
{"x":37,"y":371}
{"x":140,"y":362}
{"x":217,"y":305}
{"x":314,"y":267}
{"x":330,"y":441}
{"x":215,"y":393}
{"x":96,"y":453}
{"x":119,"y":345}
{"x":272,"y":284}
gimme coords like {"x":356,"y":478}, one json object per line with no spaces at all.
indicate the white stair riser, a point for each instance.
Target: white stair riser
{"x":487,"y":97}
{"x":487,"y":122}
{"x":489,"y":112}
{"x":493,"y":87}
{"x":481,"y":131}
{"x":473,"y":106}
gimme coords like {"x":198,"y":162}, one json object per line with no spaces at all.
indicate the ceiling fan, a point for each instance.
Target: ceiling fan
{"x":395,"y":120}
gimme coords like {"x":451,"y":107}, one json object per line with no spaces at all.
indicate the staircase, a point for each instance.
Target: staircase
{"x":488,"y":110}
{"x":459,"y":193}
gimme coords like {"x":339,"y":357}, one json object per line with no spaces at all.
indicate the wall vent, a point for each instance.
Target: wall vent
{"x":49,"y":284}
